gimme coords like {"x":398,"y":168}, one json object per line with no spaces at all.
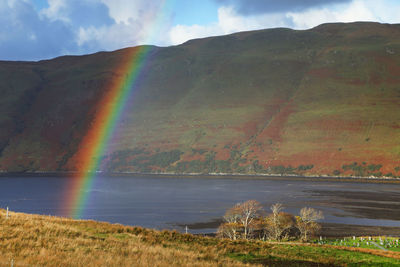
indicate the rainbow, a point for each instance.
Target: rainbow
{"x":94,"y":145}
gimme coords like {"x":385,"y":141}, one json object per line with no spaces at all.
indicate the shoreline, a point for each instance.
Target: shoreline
{"x":212,"y":176}
{"x":328,"y":230}
{"x":338,"y":230}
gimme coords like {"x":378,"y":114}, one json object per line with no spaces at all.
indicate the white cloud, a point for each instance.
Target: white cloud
{"x":135,"y":23}
{"x":355,"y":11}
{"x":79,"y":27}
{"x":229,"y":21}
{"x":124,"y":11}
{"x":26,"y":35}
{"x":385,"y":11}
{"x":112,"y":37}
{"x":86,"y":26}
{"x":181,"y":33}
{"x":54,"y":10}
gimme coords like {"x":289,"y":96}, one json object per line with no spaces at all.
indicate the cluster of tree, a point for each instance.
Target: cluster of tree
{"x":247,"y":220}
{"x":208,"y":165}
{"x":363,"y":169}
{"x":279,"y":169}
{"x":143,"y":160}
{"x":140,"y":160}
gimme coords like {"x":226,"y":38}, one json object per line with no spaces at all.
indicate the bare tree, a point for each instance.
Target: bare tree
{"x":273,"y":220}
{"x":278,"y":221}
{"x":229,"y":230}
{"x":276,"y":209}
{"x":307,"y":222}
{"x":249,"y":212}
{"x":241,"y":218}
{"x":232,"y":215}
{"x":232,"y":226}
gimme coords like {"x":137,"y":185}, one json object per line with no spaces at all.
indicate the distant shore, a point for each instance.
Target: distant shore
{"x":212,"y":175}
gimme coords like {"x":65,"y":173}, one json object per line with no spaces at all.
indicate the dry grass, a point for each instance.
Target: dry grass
{"x":51,"y":241}
{"x":35,"y":240}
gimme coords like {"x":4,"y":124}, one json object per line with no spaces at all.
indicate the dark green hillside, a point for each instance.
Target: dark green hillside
{"x":321,"y":101}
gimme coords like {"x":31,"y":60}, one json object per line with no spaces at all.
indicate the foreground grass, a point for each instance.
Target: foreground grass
{"x":52,"y":241}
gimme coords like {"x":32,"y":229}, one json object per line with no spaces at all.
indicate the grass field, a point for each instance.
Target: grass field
{"x":34,"y":240}
{"x":384,"y":243}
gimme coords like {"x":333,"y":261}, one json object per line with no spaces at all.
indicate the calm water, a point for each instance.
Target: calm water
{"x":169,"y":203}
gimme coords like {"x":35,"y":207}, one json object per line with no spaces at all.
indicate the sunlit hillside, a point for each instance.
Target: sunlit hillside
{"x":324,"y":101}
{"x":34,"y":240}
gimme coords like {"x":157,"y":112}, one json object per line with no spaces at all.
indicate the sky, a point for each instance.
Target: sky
{"x":43,"y":29}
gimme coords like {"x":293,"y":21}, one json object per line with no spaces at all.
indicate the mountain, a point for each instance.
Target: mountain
{"x":324,"y":101}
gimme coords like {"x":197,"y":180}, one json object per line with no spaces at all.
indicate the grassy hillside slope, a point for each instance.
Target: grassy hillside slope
{"x":34,"y":240}
{"x":320,"y":101}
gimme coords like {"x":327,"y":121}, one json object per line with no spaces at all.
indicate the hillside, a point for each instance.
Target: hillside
{"x":324,"y":101}
{"x":34,"y":240}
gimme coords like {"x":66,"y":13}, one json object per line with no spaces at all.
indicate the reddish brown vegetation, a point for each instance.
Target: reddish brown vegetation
{"x":323,"y":73}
